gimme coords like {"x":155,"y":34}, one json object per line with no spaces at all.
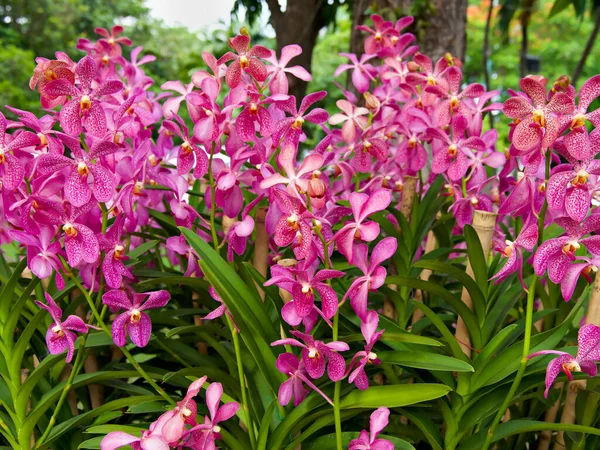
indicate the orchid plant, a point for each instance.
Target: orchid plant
{"x":218,"y":264}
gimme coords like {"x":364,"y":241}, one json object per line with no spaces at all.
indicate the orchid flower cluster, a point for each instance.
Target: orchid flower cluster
{"x":112,"y":161}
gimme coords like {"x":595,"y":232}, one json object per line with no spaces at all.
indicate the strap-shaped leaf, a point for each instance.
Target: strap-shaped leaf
{"x":425,"y":360}
{"x":463,"y":310}
{"x":393,"y":396}
{"x":476,"y":258}
{"x":9,"y":289}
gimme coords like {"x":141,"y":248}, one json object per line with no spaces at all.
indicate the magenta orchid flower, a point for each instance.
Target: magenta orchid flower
{"x":113,"y":268}
{"x":278,"y":83}
{"x":358,"y":376}
{"x":577,"y":141}
{"x":83,"y":171}
{"x":296,"y":181}
{"x":362,"y":73}
{"x":84,"y":109}
{"x":455,"y":157}
{"x":429,"y":74}
{"x":380,"y":37}
{"x":246,"y":61}
{"x":582,"y":267}
{"x":369,"y":441}
{"x":118,"y":439}
{"x":174,"y":424}
{"x":526,"y":240}
{"x":11,"y":169}
{"x":61,"y":336}
{"x":188,"y":151}
{"x":203,"y":436}
{"x":556,"y":254}
{"x":179,"y":245}
{"x":294,"y":223}
{"x":254,"y":114}
{"x":463,"y":207}
{"x":290,"y":128}
{"x":219,"y":311}
{"x":317,"y":355}
{"x":353,"y":118}
{"x":289,"y":365}
{"x":537,"y":123}
{"x":373,"y":273}
{"x":134,"y":321}
{"x":363,"y":206}
{"x":588,"y":353}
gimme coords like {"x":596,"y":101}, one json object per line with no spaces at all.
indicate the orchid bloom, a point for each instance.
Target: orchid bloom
{"x":577,"y":141}
{"x":119,"y":439}
{"x":134,"y":321}
{"x":362,"y":73}
{"x":294,"y":223}
{"x":526,"y":240}
{"x":556,"y":254}
{"x":582,"y":267}
{"x":358,"y":376}
{"x":316,"y":355}
{"x":369,"y":441}
{"x":536,"y":120}
{"x":352,"y":118}
{"x":77,"y":186}
{"x":220,"y":310}
{"x":204,"y":435}
{"x":296,"y":181}
{"x":289,"y":129}
{"x":383,"y":36}
{"x":188,"y":150}
{"x":373,"y":273}
{"x":173,"y":426}
{"x":246,"y":61}
{"x":61,"y":336}
{"x":588,"y":353}
{"x":278,"y":83}
{"x":11,"y":169}
{"x":289,"y":365}
{"x":113,"y":268}
{"x":363,"y":206}
{"x":84,"y":109}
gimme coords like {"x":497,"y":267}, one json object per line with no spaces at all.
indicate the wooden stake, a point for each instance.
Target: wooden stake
{"x":484,"y":224}
{"x":260,"y":260}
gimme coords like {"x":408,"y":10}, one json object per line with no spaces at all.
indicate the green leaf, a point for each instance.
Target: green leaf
{"x":91,"y":444}
{"x":23,"y":343}
{"x":559,"y":6}
{"x":263,"y":432}
{"x":463,"y":278}
{"x":490,"y":349}
{"x":427,"y":427}
{"x":15,"y":313}
{"x":105,"y":429}
{"x":140,"y":250}
{"x":476,"y":258}
{"x":9,"y":290}
{"x":425,"y":360}
{"x":393,"y":396}
{"x":462,"y":309}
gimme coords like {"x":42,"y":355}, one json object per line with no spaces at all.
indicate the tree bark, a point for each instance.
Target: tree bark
{"x":440,"y":27}
{"x":300,"y":24}
{"x":588,"y":47}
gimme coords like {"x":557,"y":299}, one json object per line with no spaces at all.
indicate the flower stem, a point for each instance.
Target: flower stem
{"x":240,"y":365}
{"x":77,"y":365}
{"x":522,"y":366}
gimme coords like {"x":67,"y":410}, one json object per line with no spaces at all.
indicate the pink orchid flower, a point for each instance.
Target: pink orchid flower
{"x":278,"y":83}
{"x":119,"y":439}
{"x":246,"y":61}
{"x":537,"y":120}
{"x":526,"y":240}
{"x":219,"y":311}
{"x":290,"y":128}
{"x":577,"y":141}
{"x":188,"y":151}
{"x":380,"y":37}
{"x":352,"y":118}
{"x":84,"y":109}
{"x":373,"y":273}
{"x":428,"y":74}
{"x":174,"y":424}
{"x":463,"y":207}
{"x":582,"y":267}
{"x":455,"y":157}
{"x":363,"y":206}
{"x":11,"y":169}
{"x":172,"y":104}
{"x":61,"y":336}
{"x":134,"y":321}
{"x":358,"y":376}
{"x":203,"y":436}
{"x":113,"y":268}
{"x":293,"y":224}
{"x":362,"y":73}
{"x":289,"y":365}
{"x":556,"y":254}
{"x":296,"y":181}
{"x":83,"y":171}
{"x":316,"y":355}
{"x":588,"y":353}
{"x":369,"y":441}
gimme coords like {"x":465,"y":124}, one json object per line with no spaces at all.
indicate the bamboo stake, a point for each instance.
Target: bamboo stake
{"x":409,"y":190}
{"x":484,"y":223}
{"x":546,"y":436}
{"x":425,"y":274}
{"x":568,"y":413}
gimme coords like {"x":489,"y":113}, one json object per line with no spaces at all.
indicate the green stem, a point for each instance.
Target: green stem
{"x":240,"y":365}
{"x":77,"y":365}
{"x":522,"y":366}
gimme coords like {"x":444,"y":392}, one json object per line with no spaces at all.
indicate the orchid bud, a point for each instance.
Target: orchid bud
{"x":413,"y":66}
{"x":561,"y":84}
{"x":371,"y":102}
{"x":316,"y":187}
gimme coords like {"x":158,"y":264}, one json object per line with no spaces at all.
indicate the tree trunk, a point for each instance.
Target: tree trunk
{"x":588,"y":47}
{"x":298,"y":24}
{"x":527,"y":11}
{"x":441,"y":28}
